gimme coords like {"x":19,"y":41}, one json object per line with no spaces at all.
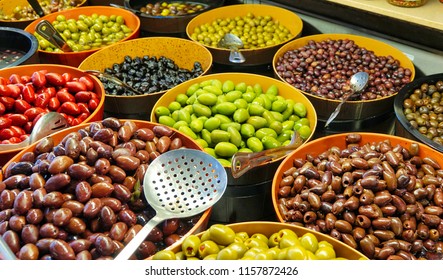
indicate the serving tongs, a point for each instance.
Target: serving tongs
{"x":242,"y":162}
{"x":45,"y":29}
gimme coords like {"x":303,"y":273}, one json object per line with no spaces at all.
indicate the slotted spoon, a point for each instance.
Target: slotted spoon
{"x":178,"y":184}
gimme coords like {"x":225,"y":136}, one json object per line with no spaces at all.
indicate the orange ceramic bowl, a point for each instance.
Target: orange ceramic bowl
{"x":324,"y":144}
{"x":198,"y":224}
{"x":76,"y":73}
{"x":75,"y":58}
{"x":342,"y":250}
{"x":352,"y":110}
{"x":183,"y":52}
{"x":257,"y":56}
{"x":7,"y":7}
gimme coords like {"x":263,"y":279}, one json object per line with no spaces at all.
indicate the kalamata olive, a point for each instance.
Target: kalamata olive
{"x":60,"y":250}
{"x":17,"y":222}
{"x":80,"y":245}
{"x":30,"y":234}
{"x":23,"y":202}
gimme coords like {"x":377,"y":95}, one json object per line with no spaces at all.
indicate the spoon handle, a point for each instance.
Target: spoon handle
{"x":337,"y":110}
{"x":132,"y":246}
{"x":235,"y":56}
{"x":243,"y":162}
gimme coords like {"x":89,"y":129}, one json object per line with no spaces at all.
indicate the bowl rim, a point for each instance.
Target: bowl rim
{"x":126,"y":14}
{"x":217,"y":3}
{"x":404,"y":93}
{"x":32,"y":50}
{"x":279,"y":53}
{"x":153,"y":38}
{"x":297,"y":19}
{"x":44,"y":66}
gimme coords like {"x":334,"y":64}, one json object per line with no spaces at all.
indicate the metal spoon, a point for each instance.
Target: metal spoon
{"x":114,"y":80}
{"x":232,"y":42}
{"x":37,"y":7}
{"x":45,"y":29}
{"x":178,"y":184}
{"x":358,"y":83}
{"x":46,"y":125}
{"x":243,"y":162}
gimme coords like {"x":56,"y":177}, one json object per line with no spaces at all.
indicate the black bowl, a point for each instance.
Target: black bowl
{"x":167,"y":24}
{"x":402,"y":126}
{"x":19,"y":40}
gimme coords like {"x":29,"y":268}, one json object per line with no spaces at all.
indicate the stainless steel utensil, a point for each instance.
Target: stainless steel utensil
{"x":45,"y":29}
{"x":37,"y":7}
{"x":5,"y":251}
{"x":114,"y":80}
{"x":46,"y":125}
{"x":234,"y":43}
{"x":243,"y":162}
{"x":358,"y":82}
{"x":178,"y":184}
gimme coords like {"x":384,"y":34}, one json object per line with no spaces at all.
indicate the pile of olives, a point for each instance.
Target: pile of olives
{"x":28,"y":13}
{"x":254,"y":31}
{"x":87,"y":32}
{"x":220,"y":242}
{"x":225,"y":118}
{"x":175,"y":8}
{"x":424,"y":110}
{"x":148,"y":74}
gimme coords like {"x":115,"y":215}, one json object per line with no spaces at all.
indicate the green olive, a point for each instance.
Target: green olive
{"x":221,"y":234}
{"x":190,"y":245}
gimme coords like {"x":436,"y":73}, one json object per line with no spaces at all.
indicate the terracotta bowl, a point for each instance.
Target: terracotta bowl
{"x":197,"y":225}
{"x":183,"y":52}
{"x":402,"y":126}
{"x":167,"y":24}
{"x":17,"y":39}
{"x":8,"y":7}
{"x":285,"y":91}
{"x":258,"y":56}
{"x":268,"y":228}
{"x":75,"y":58}
{"x":338,"y":143}
{"x":352,"y":111}
{"x":76,"y":73}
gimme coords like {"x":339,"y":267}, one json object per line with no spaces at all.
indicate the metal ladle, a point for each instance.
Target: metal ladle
{"x":242,"y":162}
{"x":114,"y":80}
{"x":37,"y":7}
{"x":178,"y":184}
{"x":358,"y":83}
{"x":49,"y":123}
{"x":234,"y":43}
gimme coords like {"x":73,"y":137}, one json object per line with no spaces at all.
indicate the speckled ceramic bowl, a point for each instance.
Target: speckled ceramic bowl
{"x":257,"y":56}
{"x":183,"y":52}
{"x":75,"y":58}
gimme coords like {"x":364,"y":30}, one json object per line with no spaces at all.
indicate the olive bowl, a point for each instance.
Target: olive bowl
{"x":7,"y":8}
{"x":336,"y":147}
{"x":255,"y":56}
{"x":27,"y":70}
{"x":16,"y":39}
{"x":355,"y":114}
{"x":183,"y":52}
{"x":192,"y":225}
{"x":75,"y":58}
{"x":267,"y":228}
{"x":248,"y":196}
{"x":403,"y":127}
{"x":169,"y":24}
